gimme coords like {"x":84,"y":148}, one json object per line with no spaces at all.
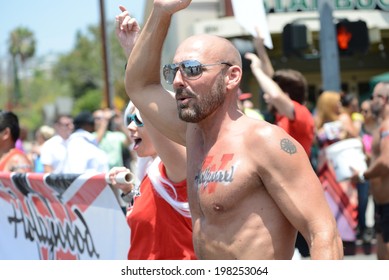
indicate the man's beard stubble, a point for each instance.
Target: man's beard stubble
{"x":376,"y":109}
{"x":201,"y":108}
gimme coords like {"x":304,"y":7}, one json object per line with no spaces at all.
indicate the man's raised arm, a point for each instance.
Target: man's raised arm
{"x":143,"y":79}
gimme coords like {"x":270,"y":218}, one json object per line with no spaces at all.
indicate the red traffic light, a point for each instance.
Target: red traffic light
{"x":343,"y":37}
{"x":352,"y":36}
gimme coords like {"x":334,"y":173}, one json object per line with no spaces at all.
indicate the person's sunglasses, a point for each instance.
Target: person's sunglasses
{"x":379,"y":95}
{"x":190,"y":69}
{"x":134,"y":118}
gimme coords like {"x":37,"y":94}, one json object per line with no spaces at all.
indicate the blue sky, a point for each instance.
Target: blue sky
{"x":55,"y":23}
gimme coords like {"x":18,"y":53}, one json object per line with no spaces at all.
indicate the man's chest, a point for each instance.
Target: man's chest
{"x":216,"y":181}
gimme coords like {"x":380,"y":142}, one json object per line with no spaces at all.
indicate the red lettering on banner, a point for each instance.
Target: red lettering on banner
{"x":42,"y":215}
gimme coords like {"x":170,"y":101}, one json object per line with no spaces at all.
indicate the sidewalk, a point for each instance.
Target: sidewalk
{"x":360,"y":251}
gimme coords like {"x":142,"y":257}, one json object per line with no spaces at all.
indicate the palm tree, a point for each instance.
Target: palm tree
{"x":21,"y":47}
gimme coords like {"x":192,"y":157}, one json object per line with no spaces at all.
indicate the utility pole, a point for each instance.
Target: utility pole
{"x":107,"y":81}
{"x":329,"y":54}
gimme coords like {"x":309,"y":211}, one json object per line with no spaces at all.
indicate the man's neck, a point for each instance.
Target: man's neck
{"x":385,"y":113}
{"x":5,"y":150}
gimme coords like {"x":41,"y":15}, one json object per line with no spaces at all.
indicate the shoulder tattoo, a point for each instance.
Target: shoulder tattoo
{"x":288,"y":146}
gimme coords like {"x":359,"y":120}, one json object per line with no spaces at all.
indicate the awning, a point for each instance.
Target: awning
{"x":228,"y":27}
{"x":384,"y":77}
{"x":373,"y":19}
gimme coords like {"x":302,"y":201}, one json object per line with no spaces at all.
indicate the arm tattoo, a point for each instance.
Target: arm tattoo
{"x":288,"y":146}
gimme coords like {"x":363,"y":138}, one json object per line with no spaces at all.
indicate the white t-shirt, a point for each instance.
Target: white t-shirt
{"x":83,"y":154}
{"x":53,"y":153}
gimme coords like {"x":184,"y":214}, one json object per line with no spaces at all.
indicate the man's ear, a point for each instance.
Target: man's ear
{"x":233,"y":77}
{"x":5,"y":134}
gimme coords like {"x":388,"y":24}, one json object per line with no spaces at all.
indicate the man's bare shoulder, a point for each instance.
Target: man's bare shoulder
{"x":258,"y":130}
{"x":273,"y":144}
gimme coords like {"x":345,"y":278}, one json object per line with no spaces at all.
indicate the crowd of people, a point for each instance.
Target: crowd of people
{"x":218,"y":181}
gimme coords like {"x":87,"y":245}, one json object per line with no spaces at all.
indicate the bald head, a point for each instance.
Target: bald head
{"x":208,"y":49}
{"x":383,"y":88}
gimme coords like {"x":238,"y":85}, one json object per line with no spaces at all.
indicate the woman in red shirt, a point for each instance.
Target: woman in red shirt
{"x":158,"y":215}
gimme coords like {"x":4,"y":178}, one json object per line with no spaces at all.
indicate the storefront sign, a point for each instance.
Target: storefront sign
{"x":277,"y":6}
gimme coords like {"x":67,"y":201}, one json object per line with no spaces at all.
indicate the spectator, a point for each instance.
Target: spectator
{"x":332,"y":126}
{"x":82,"y":151}
{"x":370,"y":123}
{"x":53,"y":151}
{"x":42,"y":134}
{"x":378,"y":171}
{"x":12,"y":159}
{"x":111,"y":135}
{"x":285,"y":94}
{"x":113,"y":138}
{"x":350,"y":105}
{"x":22,"y":138}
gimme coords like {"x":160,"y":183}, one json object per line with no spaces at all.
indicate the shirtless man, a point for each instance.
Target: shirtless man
{"x":250,"y":185}
{"x":11,"y":158}
{"x":378,"y":171}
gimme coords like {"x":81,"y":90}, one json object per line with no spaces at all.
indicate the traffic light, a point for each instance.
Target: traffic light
{"x":294,"y":38}
{"x":352,"y":36}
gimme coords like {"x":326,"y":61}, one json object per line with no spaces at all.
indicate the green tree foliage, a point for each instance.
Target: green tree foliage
{"x":90,"y":101}
{"x":81,"y":68}
{"x":77,"y":74}
{"x":22,"y":44}
{"x":21,"y":48}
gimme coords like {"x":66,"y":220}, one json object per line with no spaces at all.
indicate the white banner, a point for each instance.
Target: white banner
{"x":47,"y":216}
{"x":250,"y":14}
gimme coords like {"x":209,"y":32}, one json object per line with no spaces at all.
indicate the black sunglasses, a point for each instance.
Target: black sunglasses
{"x":190,"y":69}
{"x":134,"y":118}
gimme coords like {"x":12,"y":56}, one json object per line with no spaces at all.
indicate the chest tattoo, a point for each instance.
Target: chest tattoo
{"x":211,"y":174}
